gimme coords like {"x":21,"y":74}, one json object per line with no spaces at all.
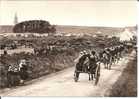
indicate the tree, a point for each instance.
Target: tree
{"x":34,"y":26}
{"x":53,"y":29}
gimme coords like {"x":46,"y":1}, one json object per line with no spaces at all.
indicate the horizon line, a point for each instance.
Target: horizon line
{"x":82,"y":25}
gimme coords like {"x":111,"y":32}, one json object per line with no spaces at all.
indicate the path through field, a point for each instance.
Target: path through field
{"x":62,"y":83}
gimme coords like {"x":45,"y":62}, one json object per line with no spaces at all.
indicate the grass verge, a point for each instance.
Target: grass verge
{"x":126,"y":85}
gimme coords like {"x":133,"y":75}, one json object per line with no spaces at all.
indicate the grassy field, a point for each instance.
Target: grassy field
{"x":126,"y":85}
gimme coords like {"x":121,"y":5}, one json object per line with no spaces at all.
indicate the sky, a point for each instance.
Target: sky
{"x":114,"y":13}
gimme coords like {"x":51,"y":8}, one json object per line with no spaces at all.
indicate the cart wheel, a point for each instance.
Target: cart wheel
{"x":76,"y":76}
{"x":97,"y":75}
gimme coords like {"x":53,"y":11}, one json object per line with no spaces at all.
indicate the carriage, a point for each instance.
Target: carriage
{"x":94,"y":73}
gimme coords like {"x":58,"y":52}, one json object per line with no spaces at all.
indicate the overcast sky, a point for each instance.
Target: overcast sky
{"x":114,"y":13}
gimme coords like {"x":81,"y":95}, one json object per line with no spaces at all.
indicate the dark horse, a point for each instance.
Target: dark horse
{"x":106,"y":60}
{"x":92,"y":66}
{"x":86,"y":64}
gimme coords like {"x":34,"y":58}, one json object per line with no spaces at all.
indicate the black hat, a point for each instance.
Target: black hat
{"x":93,"y":52}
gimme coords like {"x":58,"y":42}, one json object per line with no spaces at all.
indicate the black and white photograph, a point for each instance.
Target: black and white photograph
{"x":68,"y":48}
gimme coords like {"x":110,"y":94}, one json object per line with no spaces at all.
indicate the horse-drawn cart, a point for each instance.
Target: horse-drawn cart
{"x":93,"y":73}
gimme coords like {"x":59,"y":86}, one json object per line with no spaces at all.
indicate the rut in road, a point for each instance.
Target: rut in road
{"x":62,"y":83}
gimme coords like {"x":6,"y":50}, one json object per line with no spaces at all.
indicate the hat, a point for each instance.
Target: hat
{"x":93,"y":52}
{"x":23,"y":61}
{"x":85,"y":52}
{"x":81,"y":52}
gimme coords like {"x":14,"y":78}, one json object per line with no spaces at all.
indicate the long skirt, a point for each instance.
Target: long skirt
{"x":13,"y":79}
{"x":24,"y":75}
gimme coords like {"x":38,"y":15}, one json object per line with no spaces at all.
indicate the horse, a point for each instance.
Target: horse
{"x":113,"y":53}
{"x":89,"y":65}
{"x":106,"y":60}
{"x":83,"y":66}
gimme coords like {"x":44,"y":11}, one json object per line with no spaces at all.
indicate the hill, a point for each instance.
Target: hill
{"x":87,"y":29}
{"x":76,"y":29}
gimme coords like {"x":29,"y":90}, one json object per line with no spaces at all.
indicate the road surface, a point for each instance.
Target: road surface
{"x":62,"y":83}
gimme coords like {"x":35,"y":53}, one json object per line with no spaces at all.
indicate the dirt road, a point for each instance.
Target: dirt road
{"x":62,"y":83}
